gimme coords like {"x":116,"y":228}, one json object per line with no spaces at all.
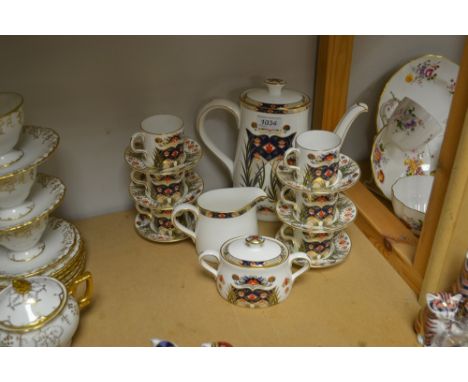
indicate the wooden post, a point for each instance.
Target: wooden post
{"x":331,"y":80}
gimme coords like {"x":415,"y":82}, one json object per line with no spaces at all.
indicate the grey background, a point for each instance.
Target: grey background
{"x":94,"y":91}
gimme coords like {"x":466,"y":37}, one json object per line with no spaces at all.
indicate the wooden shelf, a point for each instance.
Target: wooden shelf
{"x":146,"y":290}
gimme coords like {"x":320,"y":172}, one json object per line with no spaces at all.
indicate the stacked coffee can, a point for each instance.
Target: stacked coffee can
{"x":162,"y":162}
{"x":312,"y":207}
{"x":32,"y":242}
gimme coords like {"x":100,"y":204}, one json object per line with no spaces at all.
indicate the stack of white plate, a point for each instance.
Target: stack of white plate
{"x":32,"y":242}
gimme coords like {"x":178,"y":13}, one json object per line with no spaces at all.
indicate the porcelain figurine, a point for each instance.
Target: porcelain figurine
{"x":254,"y":271}
{"x":268,"y":120}
{"x":40,"y":311}
{"x":220,"y":215}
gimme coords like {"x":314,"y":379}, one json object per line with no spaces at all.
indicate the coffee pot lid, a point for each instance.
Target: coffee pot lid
{"x":28,"y":304}
{"x":274,"y":99}
{"x":254,"y":251}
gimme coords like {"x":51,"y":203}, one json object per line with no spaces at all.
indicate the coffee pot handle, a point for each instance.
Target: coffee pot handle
{"x":232,"y":108}
{"x":179,"y":210}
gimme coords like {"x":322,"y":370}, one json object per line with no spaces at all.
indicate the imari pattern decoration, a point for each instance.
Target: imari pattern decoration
{"x":253,"y":292}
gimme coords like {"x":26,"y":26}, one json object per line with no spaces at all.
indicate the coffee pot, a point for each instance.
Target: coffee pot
{"x":268,"y":120}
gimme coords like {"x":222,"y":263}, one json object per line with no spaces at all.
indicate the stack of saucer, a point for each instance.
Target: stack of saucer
{"x":312,"y":207}
{"x":162,"y":176}
{"x":32,"y":242}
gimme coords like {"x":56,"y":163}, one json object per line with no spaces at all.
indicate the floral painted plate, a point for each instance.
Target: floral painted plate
{"x":348,"y":175}
{"x":347,"y":212}
{"x":194,"y":189}
{"x":388,"y":162}
{"x":429,"y":80}
{"x":341,"y":245}
{"x":192,"y":150}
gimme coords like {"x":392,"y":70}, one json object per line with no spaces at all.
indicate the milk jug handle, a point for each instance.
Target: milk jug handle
{"x":213,"y":105}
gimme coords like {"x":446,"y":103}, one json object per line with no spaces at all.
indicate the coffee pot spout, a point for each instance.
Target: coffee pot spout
{"x":347,"y":120}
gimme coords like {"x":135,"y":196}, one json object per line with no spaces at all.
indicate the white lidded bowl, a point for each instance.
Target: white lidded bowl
{"x":410,"y":197}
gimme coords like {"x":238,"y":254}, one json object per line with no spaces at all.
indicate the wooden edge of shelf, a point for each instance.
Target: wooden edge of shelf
{"x":387,"y":233}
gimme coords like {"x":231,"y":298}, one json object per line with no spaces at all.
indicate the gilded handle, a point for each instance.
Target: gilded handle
{"x":86,"y":299}
{"x":290,"y":151}
{"x":136,"y":137}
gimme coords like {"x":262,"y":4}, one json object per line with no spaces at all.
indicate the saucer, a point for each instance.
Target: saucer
{"x":194,"y":189}
{"x":341,"y":245}
{"x":58,"y":238}
{"x":346,"y":211}
{"x":37,"y":144}
{"x":348,"y":174}
{"x":193,"y":153}
{"x":142,"y":226}
{"x":47,"y":192}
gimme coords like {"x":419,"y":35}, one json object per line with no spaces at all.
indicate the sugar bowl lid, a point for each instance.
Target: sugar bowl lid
{"x":254,"y":251}
{"x":28,"y":304}
{"x":274,"y":99}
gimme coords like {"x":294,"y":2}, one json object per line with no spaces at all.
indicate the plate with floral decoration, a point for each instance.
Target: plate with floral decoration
{"x":346,"y":213}
{"x":193,"y":155}
{"x":348,"y":174}
{"x":341,"y":250}
{"x":389,"y":162}
{"x":194,"y":188}
{"x":429,"y":80}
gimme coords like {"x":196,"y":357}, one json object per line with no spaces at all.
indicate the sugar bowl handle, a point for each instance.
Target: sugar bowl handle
{"x":179,"y":210}
{"x":207,"y":266}
{"x":86,"y":299}
{"x":305,"y":267}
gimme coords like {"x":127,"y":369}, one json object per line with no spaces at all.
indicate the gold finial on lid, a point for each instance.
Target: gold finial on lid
{"x":254,"y":240}
{"x":21,"y":286}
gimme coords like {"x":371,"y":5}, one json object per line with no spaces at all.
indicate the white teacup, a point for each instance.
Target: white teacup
{"x":161,"y":141}
{"x":410,"y":197}
{"x":25,"y":242}
{"x":317,"y":158}
{"x":14,"y":190}
{"x":11,"y":124}
{"x":410,"y":125}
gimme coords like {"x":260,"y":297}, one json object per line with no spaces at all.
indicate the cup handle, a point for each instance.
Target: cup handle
{"x":135,"y":137}
{"x":180,"y":209}
{"x":207,"y":266}
{"x":232,"y":108}
{"x":143,"y":211}
{"x":136,"y":180}
{"x":387,"y":109}
{"x":288,"y":152}
{"x":86,"y":299}
{"x":283,"y":233}
{"x":299,"y":256}
{"x":284,"y":200}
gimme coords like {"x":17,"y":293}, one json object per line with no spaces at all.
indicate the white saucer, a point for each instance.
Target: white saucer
{"x":59,"y":238}
{"x":341,"y":245}
{"x":10,"y":157}
{"x":193,"y":153}
{"x":194,"y":189}
{"x":47,"y":192}
{"x":37,"y":144}
{"x":346,"y":213}
{"x":348,"y":174}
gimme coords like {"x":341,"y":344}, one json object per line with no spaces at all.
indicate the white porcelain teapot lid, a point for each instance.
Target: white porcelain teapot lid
{"x":274,"y":99}
{"x":28,"y":304}
{"x":254,"y":251}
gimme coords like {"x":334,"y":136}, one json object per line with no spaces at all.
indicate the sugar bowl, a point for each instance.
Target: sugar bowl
{"x":40,"y":311}
{"x":254,"y":271}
